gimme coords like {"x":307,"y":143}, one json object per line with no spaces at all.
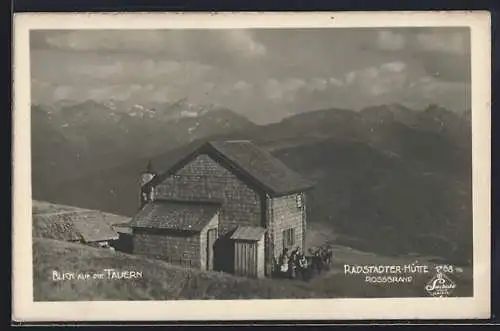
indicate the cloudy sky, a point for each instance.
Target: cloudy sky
{"x":261,"y":73}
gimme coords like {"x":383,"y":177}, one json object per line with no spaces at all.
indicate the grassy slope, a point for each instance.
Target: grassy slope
{"x":162,"y":281}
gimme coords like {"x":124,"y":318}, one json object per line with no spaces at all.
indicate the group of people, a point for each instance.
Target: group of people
{"x":321,"y":258}
{"x":295,"y":264}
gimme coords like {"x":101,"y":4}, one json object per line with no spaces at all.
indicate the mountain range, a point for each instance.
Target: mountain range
{"x":74,"y":139}
{"x":389,"y":179}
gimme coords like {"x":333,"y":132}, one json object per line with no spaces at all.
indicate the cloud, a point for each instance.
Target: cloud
{"x":254,"y":72}
{"x":288,"y":90}
{"x":243,"y":86}
{"x":443,"y":42}
{"x":242,"y":41}
{"x":429,"y":90}
{"x":148,"y":41}
{"x":138,"y":93}
{"x":452,"y":68}
{"x":389,"y":40}
{"x":397,"y":66}
{"x":443,"y":52}
{"x":119,"y":71}
{"x":319,"y":83}
{"x":179,"y":44}
{"x":382,"y":83}
{"x":335,"y":82}
{"x":377,"y":80}
{"x":65,"y":92}
{"x":390,"y":82}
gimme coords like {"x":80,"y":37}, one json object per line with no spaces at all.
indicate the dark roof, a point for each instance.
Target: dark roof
{"x":92,"y":228}
{"x":123,"y":228}
{"x":175,"y":215}
{"x":248,"y":233}
{"x":86,"y":226}
{"x":55,"y":226}
{"x":256,"y":164}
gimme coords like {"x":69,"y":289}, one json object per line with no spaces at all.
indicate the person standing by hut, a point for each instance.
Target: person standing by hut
{"x":328,"y":256}
{"x":302,"y":266}
{"x":283,"y":262}
{"x":294,"y":260}
{"x":317,"y":261}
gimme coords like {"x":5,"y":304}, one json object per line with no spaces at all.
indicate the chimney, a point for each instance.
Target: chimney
{"x":147,"y":194}
{"x":148,"y":174}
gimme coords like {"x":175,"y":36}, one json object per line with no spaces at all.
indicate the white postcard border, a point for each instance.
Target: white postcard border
{"x":24,"y":309}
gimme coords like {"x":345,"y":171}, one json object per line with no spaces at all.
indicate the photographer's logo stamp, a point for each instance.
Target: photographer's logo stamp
{"x":440,"y":285}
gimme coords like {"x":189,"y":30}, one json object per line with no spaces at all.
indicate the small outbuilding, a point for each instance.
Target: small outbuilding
{"x":93,"y":231}
{"x":179,"y":232}
{"x":80,"y":227}
{"x":249,"y":254}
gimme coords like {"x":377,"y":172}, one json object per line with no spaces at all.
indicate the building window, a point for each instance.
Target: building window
{"x":288,"y":237}
{"x":300,"y":201}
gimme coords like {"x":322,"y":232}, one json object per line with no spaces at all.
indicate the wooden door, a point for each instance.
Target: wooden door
{"x":246,"y":258}
{"x":211,"y":238}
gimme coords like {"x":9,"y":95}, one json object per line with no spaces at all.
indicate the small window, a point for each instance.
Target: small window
{"x":288,"y":238}
{"x":300,"y":201}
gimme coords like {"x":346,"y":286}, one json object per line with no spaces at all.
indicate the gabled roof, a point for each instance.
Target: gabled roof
{"x":55,"y":226}
{"x":248,"y":160}
{"x":248,"y":233}
{"x":175,"y":215}
{"x":122,"y":228}
{"x":91,"y":228}
{"x":71,"y":226}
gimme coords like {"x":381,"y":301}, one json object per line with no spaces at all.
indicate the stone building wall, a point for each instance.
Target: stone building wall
{"x":205,"y":179}
{"x":174,"y":247}
{"x":285,"y":214}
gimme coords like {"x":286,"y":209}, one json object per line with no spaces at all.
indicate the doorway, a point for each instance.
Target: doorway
{"x":211,"y":238}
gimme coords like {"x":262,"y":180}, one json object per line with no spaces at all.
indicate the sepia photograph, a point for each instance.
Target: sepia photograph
{"x":248,"y":162}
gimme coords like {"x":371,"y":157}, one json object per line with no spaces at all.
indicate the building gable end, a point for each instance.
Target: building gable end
{"x":219,"y":159}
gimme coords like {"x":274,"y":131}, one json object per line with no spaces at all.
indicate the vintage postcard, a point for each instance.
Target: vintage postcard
{"x":255,"y":166}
